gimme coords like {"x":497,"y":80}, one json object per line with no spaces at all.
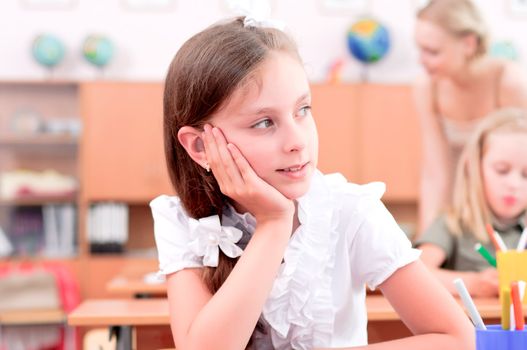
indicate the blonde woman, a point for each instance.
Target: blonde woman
{"x":490,"y":187}
{"x":462,"y":85}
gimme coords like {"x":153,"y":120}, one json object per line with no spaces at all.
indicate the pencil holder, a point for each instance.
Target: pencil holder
{"x":494,"y":338}
{"x":512,"y":266}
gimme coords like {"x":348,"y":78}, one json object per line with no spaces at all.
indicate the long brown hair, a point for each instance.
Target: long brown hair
{"x":459,"y":18}
{"x":203,"y":75}
{"x":469,"y":210}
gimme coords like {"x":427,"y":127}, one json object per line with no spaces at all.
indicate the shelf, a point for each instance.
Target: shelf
{"x":32,"y":317}
{"x":38,"y":140}
{"x":38,"y":201}
{"x":43,"y":82}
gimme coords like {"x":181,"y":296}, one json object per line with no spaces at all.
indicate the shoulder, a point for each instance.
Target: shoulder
{"x":423,"y":95}
{"x":168,"y":207}
{"x":423,"y":86}
{"x":348,"y":193}
{"x":170,"y":218}
{"x":513,"y":76}
{"x":423,"y":81}
{"x":173,"y":236}
{"x":438,"y":228}
{"x":353,"y":204}
{"x":439,"y":234}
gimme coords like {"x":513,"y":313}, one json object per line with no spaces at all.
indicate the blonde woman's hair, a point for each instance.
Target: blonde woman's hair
{"x":470,"y":211}
{"x":459,"y":18}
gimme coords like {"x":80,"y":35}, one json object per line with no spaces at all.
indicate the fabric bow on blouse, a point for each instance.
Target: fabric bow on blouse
{"x":208,"y":236}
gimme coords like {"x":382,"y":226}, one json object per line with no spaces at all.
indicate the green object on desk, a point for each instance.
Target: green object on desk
{"x":485,"y":253}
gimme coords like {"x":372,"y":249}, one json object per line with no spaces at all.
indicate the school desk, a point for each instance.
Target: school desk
{"x":141,"y":314}
{"x":135,"y":286}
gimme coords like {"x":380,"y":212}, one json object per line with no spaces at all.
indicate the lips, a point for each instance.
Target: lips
{"x":509,"y":200}
{"x":293,"y":168}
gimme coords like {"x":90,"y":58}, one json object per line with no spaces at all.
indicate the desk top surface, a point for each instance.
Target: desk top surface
{"x":134,"y":285}
{"x":106,"y":312}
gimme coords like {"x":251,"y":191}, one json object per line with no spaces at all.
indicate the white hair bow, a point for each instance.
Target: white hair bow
{"x":257,"y":13}
{"x":208,"y":236}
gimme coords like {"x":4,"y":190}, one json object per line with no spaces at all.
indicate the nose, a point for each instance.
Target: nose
{"x":294,"y":136}
{"x":515,"y":180}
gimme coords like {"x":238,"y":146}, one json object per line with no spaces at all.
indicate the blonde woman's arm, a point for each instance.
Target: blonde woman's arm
{"x":513,"y":88}
{"x":435,"y":161}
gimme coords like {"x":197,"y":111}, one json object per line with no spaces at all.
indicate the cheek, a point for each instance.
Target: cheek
{"x":488,"y":184}
{"x":257,"y":156}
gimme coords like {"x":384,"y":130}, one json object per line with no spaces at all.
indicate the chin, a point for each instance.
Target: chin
{"x":296,"y":191}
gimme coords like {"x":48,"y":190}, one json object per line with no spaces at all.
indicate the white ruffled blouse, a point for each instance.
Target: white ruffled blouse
{"x":346,"y":239}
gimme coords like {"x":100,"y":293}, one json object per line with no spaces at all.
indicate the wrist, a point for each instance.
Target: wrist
{"x":275,"y":224}
{"x":276,"y":217}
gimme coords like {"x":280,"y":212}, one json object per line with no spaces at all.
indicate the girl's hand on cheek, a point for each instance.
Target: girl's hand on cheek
{"x":238,"y":180}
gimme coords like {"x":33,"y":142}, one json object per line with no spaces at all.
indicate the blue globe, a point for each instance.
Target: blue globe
{"x":48,"y":50}
{"x":97,"y":50}
{"x":368,"y":40}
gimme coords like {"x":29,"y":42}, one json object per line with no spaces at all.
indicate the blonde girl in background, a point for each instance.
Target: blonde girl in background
{"x":260,"y":249}
{"x":462,"y":84}
{"x":490,"y":187}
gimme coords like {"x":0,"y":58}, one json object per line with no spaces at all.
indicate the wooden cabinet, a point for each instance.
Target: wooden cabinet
{"x":122,"y":145}
{"x":369,"y":133}
{"x":336,"y":114}
{"x":390,"y":140}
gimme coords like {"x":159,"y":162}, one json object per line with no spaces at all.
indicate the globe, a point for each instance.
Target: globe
{"x":48,"y":50}
{"x":368,"y":40}
{"x":98,"y":50}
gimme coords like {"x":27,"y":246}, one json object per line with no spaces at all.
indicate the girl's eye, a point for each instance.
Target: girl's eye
{"x":431,"y":52}
{"x":263,"y":124}
{"x":304,"y":111}
{"x":502,"y":170}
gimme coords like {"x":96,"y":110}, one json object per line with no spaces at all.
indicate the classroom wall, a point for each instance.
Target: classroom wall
{"x":147,"y":40}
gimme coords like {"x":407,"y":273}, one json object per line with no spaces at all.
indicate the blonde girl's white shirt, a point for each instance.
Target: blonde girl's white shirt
{"x":346,"y":240}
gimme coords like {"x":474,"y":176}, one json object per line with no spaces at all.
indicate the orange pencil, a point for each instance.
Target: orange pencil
{"x":497,"y":242}
{"x":517,"y":306}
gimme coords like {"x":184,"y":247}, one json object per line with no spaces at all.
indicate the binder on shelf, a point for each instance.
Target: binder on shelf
{"x":107,"y":227}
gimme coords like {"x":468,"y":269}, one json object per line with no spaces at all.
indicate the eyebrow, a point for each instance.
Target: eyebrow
{"x":267,"y":109}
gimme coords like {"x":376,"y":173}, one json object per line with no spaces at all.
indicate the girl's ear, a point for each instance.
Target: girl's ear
{"x":190,"y":139}
{"x":470,"y":45}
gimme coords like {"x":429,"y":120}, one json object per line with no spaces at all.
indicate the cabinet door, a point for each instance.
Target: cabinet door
{"x":335,"y":111}
{"x":122,"y":156}
{"x":390,"y":140}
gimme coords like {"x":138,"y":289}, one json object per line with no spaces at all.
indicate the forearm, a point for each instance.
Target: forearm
{"x":432,"y":198}
{"x":447,"y":276}
{"x":229,"y":318}
{"x":432,"y":341}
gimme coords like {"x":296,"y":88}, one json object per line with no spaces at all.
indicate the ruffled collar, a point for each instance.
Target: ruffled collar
{"x":502,"y":227}
{"x":299,"y":308}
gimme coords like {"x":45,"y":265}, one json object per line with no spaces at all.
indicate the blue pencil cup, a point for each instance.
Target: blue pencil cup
{"x":494,"y":338}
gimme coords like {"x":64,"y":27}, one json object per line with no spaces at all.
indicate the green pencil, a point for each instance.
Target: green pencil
{"x":485,"y":253}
